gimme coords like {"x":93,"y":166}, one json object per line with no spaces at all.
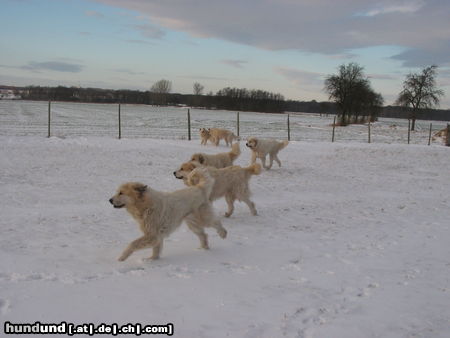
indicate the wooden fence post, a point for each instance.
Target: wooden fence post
{"x":409,"y":130}
{"x":447,"y":138}
{"x":189,"y":124}
{"x":429,"y":134}
{"x":369,"y":131}
{"x":289,"y":128}
{"x":334,"y":126}
{"x":237,"y":124}
{"x":49,"y":114}
{"x":120,"y":124}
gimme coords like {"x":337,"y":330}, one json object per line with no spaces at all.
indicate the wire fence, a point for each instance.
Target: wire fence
{"x":65,"y":119}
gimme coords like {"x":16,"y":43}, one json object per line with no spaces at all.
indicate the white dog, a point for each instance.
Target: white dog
{"x":220,"y":160}
{"x":160,"y":213}
{"x":230,"y":182}
{"x":214,"y":135}
{"x":263,"y":147}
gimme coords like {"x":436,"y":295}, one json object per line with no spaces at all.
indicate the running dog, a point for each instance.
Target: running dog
{"x":231,"y":183}
{"x":261,"y":147}
{"x":220,"y":160}
{"x":161,"y":213}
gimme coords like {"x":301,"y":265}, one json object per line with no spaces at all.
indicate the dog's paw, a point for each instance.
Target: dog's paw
{"x":222,"y":233}
{"x":228,"y":214}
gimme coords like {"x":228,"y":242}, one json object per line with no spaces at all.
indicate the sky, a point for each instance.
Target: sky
{"x":282,"y":46}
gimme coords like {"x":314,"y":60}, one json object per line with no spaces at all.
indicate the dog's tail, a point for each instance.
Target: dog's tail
{"x":200,"y":177}
{"x":235,"y":151}
{"x":254,"y":169}
{"x":284,"y":144}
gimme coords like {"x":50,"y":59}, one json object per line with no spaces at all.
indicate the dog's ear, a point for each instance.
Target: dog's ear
{"x":141,"y":189}
{"x":193,"y":179}
{"x":201,"y":159}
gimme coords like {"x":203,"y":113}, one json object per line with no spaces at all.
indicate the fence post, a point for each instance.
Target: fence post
{"x":429,"y":134}
{"x":289,"y":128}
{"x":237,"y":124}
{"x":189,"y":124}
{"x":369,"y":131}
{"x":409,"y":130}
{"x":447,"y":138}
{"x":120,"y":124}
{"x":334,"y":126}
{"x":49,"y":114}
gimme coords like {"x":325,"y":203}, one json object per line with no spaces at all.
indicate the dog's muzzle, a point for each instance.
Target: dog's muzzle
{"x":175,"y":174}
{"x":115,"y":206}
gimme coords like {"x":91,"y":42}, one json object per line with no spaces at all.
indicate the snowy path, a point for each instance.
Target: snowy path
{"x":351,"y":241}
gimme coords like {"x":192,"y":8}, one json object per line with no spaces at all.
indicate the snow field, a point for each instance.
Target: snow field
{"x":351,"y":240}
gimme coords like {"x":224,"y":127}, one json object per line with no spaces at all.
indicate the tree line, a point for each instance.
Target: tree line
{"x":226,"y":99}
{"x":352,"y":97}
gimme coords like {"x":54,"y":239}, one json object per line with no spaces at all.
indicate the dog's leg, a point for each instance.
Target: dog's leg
{"x":270,"y":161}
{"x":263,"y":161}
{"x":138,"y":244}
{"x":230,"y":201}
{"x":217,"y":224}
{"x":253,"y":160}
{"x":194,"y":225}
{"x":157,"y":250}
{"x":250,"y":205}
{"x":275,"y":156}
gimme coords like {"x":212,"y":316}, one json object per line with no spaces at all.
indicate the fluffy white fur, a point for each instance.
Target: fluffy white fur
{"x":220,"y":160}
{"x":231,"y":183}
{"x":161,"y":213}
{"x":263,"y":147}
{"x":214,"y":135}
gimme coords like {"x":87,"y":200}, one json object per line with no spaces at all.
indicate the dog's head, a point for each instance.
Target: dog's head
{"x":199,"y":176}
{"x":252,"y":143}
{"x":185,"y":169}
{"x":204,"y":132}
{"x":128,"y":195}
{"x":198,"y":158}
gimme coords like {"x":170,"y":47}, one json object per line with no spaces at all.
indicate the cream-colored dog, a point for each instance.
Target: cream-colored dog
{"x":220,"y":160}
{"x":263,"y":147}
{"x":214,"y":135}
{"x":231,"y":183}
{"x":161,"y":213}
{"x":440,"y":135}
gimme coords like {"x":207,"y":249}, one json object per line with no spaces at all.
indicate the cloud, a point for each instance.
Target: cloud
{"x":150,"y":31}
{"x":57,"y":66}
{"x":320,"y":26}
{"x":421,"y":57}
{"x":392,"y":8}
{"x":234,"y":63}
{"x":127,"y":71}
{"x":301,"y":78}
{"x":94,"y":14}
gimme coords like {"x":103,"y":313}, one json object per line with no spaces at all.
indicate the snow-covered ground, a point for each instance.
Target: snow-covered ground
{"x":351,"y":240}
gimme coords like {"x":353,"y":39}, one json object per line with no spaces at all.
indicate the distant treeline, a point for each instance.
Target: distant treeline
{"x":226,"y":99}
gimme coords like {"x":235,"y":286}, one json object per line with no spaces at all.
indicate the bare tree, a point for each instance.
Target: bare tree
{"x":160,"y":90}
{"x":198,"y":88}
{"x":353,"y":94}
{"x":420,"y":91}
